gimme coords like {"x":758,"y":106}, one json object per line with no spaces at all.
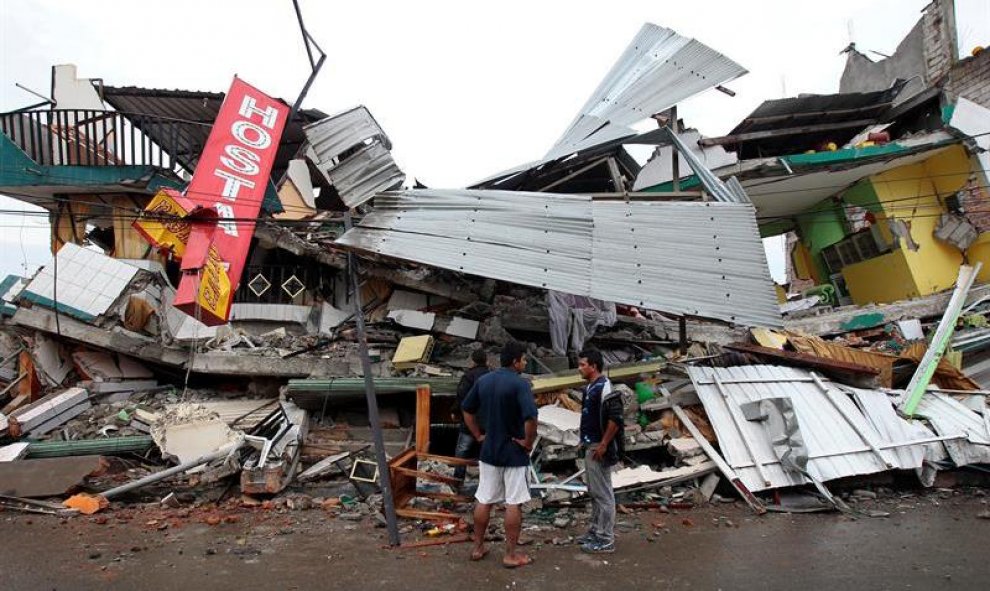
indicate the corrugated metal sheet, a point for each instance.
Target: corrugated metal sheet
{"x":359,"y":175}
{"x":709,"y":181}
{"x":658,"y":69}
{"x":878,"y":408}
{"x":699,"y":259}
{"x":835,"y":449}
{"x":330,"y":137}
{"x":950,"y":417}
{"x":363,"y":174}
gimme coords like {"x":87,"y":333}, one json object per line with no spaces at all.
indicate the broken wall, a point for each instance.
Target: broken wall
{"x":970,"y":78}
{"x":862,"y":74}
{"x":926,"y":54}
{"x":914,"y":193}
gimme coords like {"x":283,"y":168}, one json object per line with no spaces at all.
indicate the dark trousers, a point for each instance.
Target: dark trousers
{"x":467,"y":448}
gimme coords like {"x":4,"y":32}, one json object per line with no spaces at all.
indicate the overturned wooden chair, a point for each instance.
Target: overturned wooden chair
{"x":405,"y":469}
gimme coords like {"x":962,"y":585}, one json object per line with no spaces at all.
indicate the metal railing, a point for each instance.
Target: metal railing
{"x":77,"y":137}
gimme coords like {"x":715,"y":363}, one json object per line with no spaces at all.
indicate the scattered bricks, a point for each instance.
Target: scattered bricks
{"x":212,"y":520}
{"x":687,"y":522}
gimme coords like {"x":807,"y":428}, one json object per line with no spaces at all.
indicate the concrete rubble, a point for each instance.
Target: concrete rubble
{"x":109,"y":384}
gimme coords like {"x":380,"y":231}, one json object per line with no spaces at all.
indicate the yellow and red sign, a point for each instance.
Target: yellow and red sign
{"x":221,"y":204}
{"x":164,"y":223}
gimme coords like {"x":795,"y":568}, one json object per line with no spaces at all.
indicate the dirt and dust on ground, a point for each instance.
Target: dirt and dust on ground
{"x":898,"y":540}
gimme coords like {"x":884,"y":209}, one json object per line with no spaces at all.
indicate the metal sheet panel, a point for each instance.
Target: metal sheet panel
{"x":364,"y":173}
{"x":330,"y":137}
{"x":700,"y":259}
{"x":658,"y":69}
{"x":359,"y":175}
{"x":950,"y":417}
{"x":835,"y":449}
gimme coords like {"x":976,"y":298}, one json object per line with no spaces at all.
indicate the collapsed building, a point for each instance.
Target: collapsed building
{"x":660,"y":265}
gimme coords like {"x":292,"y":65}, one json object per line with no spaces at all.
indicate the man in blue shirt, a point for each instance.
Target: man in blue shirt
{"x":501,"y":413}
{"x":601,"y":432}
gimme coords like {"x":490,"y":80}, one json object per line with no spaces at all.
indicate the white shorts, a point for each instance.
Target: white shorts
{"x":498,"y":484}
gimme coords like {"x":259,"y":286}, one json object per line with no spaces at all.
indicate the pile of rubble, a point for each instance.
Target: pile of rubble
{"x":783,"y":413}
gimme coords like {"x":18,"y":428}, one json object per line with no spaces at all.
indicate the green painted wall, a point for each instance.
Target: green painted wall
{"x":820,"y":227}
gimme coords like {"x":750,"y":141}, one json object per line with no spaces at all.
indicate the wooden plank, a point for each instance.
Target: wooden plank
{"x":805,"y":359}
{"x":444,"y":496}
{"x":723,"y":466}
{"x":450,"y":460}
{"x":423,"y":419}
{"x":17,"y":402}
{"x":572,"y":379}
{"x":442,"y":541}
{"x":427,"y":475}
{"x":427,"y":515}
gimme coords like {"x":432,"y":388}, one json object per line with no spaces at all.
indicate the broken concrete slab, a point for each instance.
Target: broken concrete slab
{"x":49,"y":360}
{"x":644,"y":475}
{"x":683,"y":447}
{"x":189,"y":431}
{"x":413,"y":319}
{"x":101,"y":366}
{"x":327,"y":465}
{"x":14,"y":451}
{"x":407,"y":300}
{"x":559,"y":425}
{"x":48,"y":477}
{"x":463,"y":327}
{"x":116,"y":339}
{"x":78,"y":295}
{"x":331,"y":318}
{"x":234,"y":364}
{"x":47,"y":413}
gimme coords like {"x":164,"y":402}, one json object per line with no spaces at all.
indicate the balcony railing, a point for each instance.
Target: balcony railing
{"x":76,"y":137}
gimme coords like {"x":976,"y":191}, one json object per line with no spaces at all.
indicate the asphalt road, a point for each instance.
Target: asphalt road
{"x":932,"y":541}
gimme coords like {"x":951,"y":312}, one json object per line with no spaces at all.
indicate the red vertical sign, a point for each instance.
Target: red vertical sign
{"x":229,"y":183}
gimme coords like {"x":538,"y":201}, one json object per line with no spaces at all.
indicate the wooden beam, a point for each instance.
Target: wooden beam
{"x":723,"y":466}
{"x":805,"y":359}
{"x":423,"y":419}
{"x":772,"y":133}
{"x":427,"y":475}
{"x":449,"y":460}
{"x":427,"y":515}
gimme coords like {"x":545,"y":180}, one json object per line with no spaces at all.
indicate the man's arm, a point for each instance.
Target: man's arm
{"x":610,"y":431}
{"x":472,"y":424}
{"x":527,"y":406}
{"x":529,"y":440}
{"x":470,"y":407}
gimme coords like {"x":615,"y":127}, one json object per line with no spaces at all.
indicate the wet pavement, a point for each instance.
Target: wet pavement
{"x":933,"y":541}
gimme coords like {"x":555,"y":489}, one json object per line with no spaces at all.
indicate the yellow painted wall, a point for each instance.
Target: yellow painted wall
{"x":912,"y":193}
{"x":804,"y":268}
{"x":886,"y":278}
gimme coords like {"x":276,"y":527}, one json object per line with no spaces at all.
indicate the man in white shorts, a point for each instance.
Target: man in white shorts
{"x":501,"y":413}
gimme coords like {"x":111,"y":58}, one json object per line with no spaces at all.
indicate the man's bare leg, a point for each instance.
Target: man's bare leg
{"x":513,"y":526}
{"x":482,"y":514}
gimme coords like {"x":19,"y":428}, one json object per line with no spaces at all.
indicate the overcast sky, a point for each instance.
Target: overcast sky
{"x":463,"y":89}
